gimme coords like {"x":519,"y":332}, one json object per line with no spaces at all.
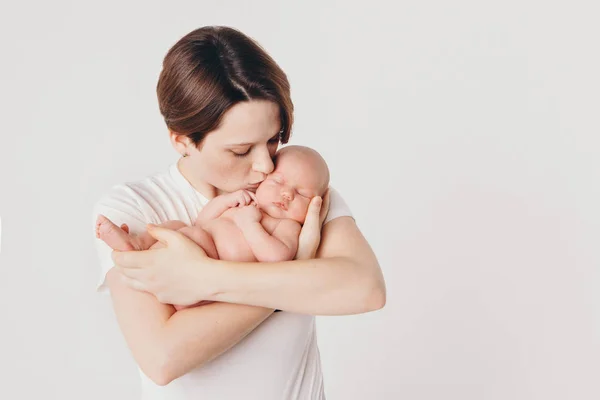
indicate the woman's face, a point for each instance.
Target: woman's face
{"x":238,"y":154}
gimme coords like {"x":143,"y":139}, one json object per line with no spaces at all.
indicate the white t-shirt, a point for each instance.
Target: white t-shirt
{"x":279,"y":360}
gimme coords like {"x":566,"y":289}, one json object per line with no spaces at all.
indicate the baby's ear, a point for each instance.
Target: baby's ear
{"x":125,"y":228}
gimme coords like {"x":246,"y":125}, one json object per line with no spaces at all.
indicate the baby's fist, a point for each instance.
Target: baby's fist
{"x":241,"y":198}
{"x":247,"y":214}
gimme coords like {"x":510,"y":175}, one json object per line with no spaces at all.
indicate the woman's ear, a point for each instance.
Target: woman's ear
{"x":180,"y":142}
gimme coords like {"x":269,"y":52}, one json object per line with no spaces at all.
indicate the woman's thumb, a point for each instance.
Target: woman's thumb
{"x":163,"y":235}
{"x":315,"y":205}
{"x":312,"y":216}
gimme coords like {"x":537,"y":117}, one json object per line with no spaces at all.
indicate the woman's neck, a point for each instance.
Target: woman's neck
{"x":200,"y":186}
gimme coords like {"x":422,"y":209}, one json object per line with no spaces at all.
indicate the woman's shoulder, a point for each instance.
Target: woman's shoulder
{"x":154,"y":199}
{"x":135,"y":197}
{"x":135,"y":191}
{"x":337,"y":206}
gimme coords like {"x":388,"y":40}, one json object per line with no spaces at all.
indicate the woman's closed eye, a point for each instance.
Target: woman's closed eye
{"x":242,"y":154}
{"x":272,"y":141}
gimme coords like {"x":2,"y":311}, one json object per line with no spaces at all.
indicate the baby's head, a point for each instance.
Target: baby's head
{"x":300,"y":174}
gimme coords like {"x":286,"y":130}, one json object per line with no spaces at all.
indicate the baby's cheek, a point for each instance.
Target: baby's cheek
{"x":301,"y":209}
{"x":264,"y":195}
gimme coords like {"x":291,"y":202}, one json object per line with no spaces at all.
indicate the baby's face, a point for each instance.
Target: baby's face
{"x":288,"y":190}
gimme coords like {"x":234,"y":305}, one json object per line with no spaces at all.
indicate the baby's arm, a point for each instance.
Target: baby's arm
{"x":218,"y":205}
{"x":280,"y":246}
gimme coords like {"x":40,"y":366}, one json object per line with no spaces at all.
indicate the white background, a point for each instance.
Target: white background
{"x":463,"y":134}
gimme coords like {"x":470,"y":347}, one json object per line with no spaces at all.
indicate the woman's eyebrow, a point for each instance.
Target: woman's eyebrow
{"x":240,"y":144}
{"x":251,"y":144}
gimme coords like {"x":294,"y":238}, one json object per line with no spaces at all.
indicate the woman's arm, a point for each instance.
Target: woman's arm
{"x":344,"y":279}
{"x":168,"y":344}
{"x":165,"y":344}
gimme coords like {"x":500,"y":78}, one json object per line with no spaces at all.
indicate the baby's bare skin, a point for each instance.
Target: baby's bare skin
{"x":244,"y":226}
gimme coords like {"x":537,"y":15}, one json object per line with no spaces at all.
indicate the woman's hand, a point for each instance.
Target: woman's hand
{"x":179,"y":273}
{"x":310,"y":235}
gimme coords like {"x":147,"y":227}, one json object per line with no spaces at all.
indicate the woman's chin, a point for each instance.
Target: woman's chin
{"x":252,"y":188}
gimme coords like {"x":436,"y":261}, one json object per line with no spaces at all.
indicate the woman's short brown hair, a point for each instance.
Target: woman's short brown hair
{"x":211,"y":69}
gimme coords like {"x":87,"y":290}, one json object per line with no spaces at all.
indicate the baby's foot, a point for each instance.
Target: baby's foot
{"x":117,"y":238}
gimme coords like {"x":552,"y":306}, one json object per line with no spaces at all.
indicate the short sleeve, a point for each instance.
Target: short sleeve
{"x":121,"y":207}
{"x":337,"y":206}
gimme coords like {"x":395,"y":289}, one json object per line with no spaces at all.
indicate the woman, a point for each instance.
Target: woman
{"x":227,"y":106}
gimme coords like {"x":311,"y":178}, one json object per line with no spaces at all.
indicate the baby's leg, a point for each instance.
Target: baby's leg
{"x":117,"y":238}
{"x":120,"y":239}
{"x":204,"y":240}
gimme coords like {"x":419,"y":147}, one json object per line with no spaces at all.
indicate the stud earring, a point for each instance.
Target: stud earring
{"x":185,"y":155}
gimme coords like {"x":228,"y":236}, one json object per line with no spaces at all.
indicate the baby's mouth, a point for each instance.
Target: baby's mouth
{"x":281,"y":205}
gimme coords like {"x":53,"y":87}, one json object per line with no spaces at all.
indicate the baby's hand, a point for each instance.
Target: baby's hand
{"x":247,"y":214}
{"x":240,"y":198}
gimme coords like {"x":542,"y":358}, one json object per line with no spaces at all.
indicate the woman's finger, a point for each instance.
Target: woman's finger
{"x":314,"y":209}
{"x":133,"y":273}
{"x":133,"y":259}
{"x":310,"y":235}
{"x":164,"y":235}
{"x":324,"y":207}
{"x":133,"y":283}
{"x":312,"y":223}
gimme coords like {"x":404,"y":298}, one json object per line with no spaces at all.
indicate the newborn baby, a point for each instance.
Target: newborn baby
{"x":244,"y":226}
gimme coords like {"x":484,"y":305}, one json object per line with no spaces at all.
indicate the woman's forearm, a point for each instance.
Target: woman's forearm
{"x":167,"y":344}
{"x":193,"y":337}
{"x":334,"y":286}
{"x":344,"y":279}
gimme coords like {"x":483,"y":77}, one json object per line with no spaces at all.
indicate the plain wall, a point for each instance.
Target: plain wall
{"x":463,"y":135}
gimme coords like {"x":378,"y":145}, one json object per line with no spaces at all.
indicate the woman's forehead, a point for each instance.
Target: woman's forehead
{"x":249,"y":122}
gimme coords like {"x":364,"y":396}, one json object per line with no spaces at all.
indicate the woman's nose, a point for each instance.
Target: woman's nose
{"x":263,"y":163}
